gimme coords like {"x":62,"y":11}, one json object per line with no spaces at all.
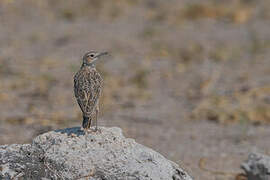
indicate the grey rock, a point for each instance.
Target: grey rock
{"x":72,"y":154}
{"x":257,"y":167}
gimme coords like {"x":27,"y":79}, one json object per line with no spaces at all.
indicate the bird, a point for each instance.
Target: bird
{"x":88,"y":85}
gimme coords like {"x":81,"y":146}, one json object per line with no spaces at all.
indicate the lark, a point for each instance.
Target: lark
{"x":87,"y":88}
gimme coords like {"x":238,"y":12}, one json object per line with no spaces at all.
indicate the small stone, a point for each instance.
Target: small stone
{"x":73,"y":135}
{"x":257,"y":167}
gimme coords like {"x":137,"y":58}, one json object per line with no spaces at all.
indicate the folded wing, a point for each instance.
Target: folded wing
{"x":87,"y":89}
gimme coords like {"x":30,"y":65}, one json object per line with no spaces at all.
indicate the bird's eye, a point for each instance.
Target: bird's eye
{"x":91,"y":55}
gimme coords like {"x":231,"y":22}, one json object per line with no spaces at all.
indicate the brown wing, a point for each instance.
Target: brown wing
{"x":87,"y":89}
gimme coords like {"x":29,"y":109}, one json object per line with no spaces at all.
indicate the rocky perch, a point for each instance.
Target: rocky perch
{"x":72,"y":154}
{"x":257,"y":167}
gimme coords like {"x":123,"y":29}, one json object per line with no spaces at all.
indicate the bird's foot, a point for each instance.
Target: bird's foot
{"x":90,"y":130}
{"x":87,"y":131}
{"x":97,"y":130}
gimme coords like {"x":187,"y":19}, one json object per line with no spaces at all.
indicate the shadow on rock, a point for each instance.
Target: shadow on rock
{"x":71,"y":131}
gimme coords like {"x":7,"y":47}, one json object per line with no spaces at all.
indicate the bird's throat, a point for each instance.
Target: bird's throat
{"x":92,"y":65}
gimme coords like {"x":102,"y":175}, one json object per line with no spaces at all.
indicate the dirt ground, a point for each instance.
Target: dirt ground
{"x":188,"y":78}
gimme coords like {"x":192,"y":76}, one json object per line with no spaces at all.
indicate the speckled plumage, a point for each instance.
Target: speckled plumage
{"x":87,"y":88}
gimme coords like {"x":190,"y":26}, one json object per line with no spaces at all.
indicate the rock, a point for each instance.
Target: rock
{"x":72,"y":154}
{"x":257,"y":167}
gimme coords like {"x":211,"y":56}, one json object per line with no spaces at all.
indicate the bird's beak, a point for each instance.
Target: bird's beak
{"x":102,"y":54}
{"x":99,"y":55}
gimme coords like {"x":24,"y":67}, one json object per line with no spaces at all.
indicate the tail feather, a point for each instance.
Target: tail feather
{"x":86,"y":122}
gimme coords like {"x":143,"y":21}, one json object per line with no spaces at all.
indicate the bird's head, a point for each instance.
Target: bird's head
{"x":90,"y":58}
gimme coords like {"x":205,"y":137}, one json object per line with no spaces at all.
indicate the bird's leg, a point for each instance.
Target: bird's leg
{"x":86,"y":131}
{"x":97,"y":110}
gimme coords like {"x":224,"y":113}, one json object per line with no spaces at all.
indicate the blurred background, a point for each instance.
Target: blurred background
{"x":188,"y":78}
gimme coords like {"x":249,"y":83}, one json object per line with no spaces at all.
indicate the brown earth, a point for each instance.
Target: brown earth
{"x":189,"y":78}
